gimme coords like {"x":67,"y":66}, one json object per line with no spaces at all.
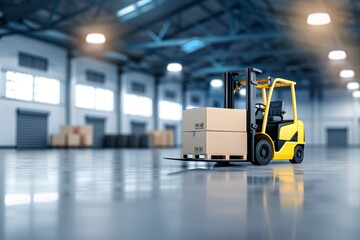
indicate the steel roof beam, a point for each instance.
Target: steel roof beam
{"x":208,"y":40}
{"x":230,"y":68}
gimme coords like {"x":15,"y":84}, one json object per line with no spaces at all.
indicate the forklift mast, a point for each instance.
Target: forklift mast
{"x":229,"y":87}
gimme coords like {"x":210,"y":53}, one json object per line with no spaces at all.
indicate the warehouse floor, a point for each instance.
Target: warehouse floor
{"x":135,"y":194}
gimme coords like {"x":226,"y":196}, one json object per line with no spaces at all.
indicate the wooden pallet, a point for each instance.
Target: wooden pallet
{"x":219,"y":157}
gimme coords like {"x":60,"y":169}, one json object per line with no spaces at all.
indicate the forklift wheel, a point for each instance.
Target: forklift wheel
{"x":298,"y":154}
{"x":263,"y":152}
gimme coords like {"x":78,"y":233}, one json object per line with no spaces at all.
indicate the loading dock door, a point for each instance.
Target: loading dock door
{"x":99,"y":130}
{"x":171,"y":127}
{"x":337,"y":137}
{"x":138,"y":127}
{"x":32,"y":129}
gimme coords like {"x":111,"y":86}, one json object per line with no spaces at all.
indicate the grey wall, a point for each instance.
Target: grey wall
{"x":126,"y":80}
{"x":177,"y":87}
{"x":79,"y":65}
{"x":9,"y":48}
{"x":199,"y":93}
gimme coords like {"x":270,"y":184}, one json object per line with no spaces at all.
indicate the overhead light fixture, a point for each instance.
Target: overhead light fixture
{"x":174,"y":67}
{"x":126,"y":10}
{"x":319,"y":18}
{"x":353,"y":86}
{"x":242,"y":92}
{"x":216,"y":83}
{"x":95,"y":38}
{"x":337,"y":55}
{"x":347,"y":73}
{"x":193,"y":45}
{"x":356,"y":94}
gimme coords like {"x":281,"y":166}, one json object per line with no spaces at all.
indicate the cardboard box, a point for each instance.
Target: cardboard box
{"x":73,"y":140}
{"x":215,"y":143}
{"x":57,"y":141}
{"x":67,"y":130}
{"x":169,"y":135}
{"x":86,"y":140}
{"x":214,"y":119}
{"x":85,"y":130}
{"x":159,"y":138}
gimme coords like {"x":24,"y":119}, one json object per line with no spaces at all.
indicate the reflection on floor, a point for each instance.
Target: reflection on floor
{"x":135,"y":194}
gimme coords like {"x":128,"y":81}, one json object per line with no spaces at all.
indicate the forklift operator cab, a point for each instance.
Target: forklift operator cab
{"x":273,"y":137}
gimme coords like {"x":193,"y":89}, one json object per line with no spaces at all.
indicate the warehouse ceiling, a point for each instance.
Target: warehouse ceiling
{"x":207,"y":37}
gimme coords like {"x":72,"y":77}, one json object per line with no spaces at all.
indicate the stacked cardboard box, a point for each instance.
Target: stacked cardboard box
{"x":162,"y":139}
{"x":72,"y":139}
{"x":86,"y":135}
{"x":57,"y":141}
{"x":73,"y":136}
{"x":215,"y":133}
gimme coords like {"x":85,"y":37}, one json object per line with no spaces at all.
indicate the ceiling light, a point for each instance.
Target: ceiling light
{"x":95,"y":38}
{"x":126,"y":10}
{"x":353,"y":86}
{"x":356,"y":94}
{"x":193,"y":45}
{"x":347,"y":73}
{"x":319,"y":18}
{"x":337,"y":55}
{"x":174,"y":67}
{"x":242,"y":92}
{"x":216,"y":83}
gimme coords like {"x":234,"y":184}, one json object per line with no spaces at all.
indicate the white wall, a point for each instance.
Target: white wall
{"x":79,"y":65}
{"x":126,"y":80}
{"x":9,"y":48}
{"x":201,"y":94}
{"x":162,"y":88}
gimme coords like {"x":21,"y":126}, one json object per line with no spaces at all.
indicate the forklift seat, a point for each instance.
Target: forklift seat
{"x":276,"y":112}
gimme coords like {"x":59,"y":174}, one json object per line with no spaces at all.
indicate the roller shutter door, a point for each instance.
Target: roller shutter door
{"x":32,"y":129}
{"x":337,"y":137}
{"x":99,"y":130}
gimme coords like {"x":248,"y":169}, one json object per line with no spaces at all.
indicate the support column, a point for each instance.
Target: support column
{"x":119,"y":100}
{"x":69,"y":90}
{"x":156,"y":102}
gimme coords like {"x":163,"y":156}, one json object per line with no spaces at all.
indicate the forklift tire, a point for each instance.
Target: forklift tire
{"x":263,"y":152}
{"x":298,"y":155}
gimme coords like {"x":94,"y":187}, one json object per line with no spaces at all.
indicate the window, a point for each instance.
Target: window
{"x":138,"y":88}
{"x":216,"y":104}
{"x":195,"y":100}
{"x":32,"y":61}
{"x":94,"y":98}
{"x":19,"y":86}
{"x":27,"y":87}
{"x":170,"y":95}
{"x":170,"y":110}
{"x":104,"y":100}
{"x":46,"y":90}
{"x":190,"y":107}
{"x":137,"y":105}
{"x":84,"y":96}
{"x":94,"y":76}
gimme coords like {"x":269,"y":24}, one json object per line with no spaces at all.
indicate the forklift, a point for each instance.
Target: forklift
{"x":269,"y":135}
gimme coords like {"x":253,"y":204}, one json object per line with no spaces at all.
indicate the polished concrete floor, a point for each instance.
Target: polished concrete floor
{"x":135,"y":194}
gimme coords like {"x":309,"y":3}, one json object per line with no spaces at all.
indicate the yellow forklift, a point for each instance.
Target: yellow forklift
{"x":269,"y":135}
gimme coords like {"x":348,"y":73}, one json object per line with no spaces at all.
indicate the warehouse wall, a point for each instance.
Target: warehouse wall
{"x":79,"y":65}
{"x":177,"y":88}
{"x":215,"y":97}
{"x":201,"y":94}
{"x":9,"y":48}
{"x":334,"y":108}
{"x":126,"y":80}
